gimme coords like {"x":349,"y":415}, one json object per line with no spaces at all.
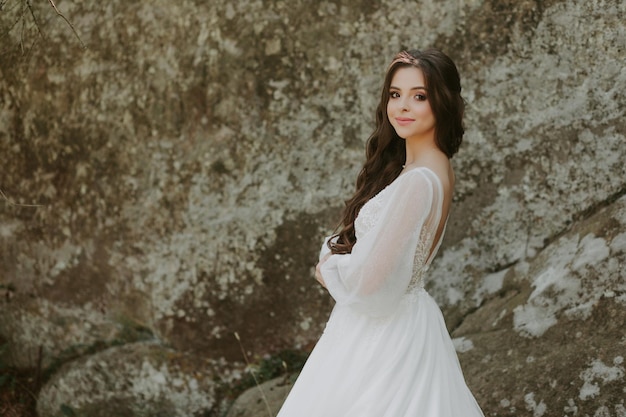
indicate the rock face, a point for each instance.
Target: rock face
{"x":170,"y":184}
{"x":132,"y":380}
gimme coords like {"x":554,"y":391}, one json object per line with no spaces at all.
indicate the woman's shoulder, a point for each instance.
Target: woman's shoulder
{"x":434,"y":170}
{"x":425,"y":176}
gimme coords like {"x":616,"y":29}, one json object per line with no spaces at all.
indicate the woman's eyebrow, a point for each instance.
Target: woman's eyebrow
{"x":413,"y":88}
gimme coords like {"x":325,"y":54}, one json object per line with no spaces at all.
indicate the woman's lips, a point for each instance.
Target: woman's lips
{"x":403,"y":121}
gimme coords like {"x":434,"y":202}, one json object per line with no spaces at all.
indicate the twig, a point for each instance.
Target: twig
{"x":32,"y":13}
{"x":68,"y":22}
{"x":10,"y":27}
{"x":256,"y":381}
{"x":38,"y":375}
{"x":23,"y":29}
{"x":11,"y":203}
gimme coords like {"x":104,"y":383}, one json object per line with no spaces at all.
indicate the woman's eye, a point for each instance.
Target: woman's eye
{"x":420,"y":97}
{"x":394,"y":94}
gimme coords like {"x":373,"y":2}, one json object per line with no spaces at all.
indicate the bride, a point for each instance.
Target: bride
{"x":385,"y":351}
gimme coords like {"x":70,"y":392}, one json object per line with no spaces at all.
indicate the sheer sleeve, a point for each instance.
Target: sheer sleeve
{"x":374,"y":277}
{"x":325,"y":250}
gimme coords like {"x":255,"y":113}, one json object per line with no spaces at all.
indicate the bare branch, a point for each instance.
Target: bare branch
{"x":10,"y":27}
{"x":23,"y":28}
{"x":11,"y":203}
{"x":68,"y":22}
{"x":32,"y":13}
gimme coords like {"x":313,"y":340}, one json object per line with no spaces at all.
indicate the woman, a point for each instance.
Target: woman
{"x":385,"y":351}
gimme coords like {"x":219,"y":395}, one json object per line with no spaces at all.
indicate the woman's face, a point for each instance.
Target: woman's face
{"x":408,"y":108}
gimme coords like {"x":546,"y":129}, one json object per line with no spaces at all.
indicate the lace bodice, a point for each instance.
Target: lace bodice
{"x":369,"y":215}
{"x":395,"y":234}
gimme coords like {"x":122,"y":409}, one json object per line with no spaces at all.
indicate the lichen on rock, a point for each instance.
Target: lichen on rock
{"x":172,"y":182}
{"x":112,"y":381}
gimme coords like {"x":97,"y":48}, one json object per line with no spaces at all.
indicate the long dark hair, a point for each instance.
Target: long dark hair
{"x":386,"y":152}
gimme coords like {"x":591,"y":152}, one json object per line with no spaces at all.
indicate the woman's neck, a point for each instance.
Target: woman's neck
{"x":417,"y":149}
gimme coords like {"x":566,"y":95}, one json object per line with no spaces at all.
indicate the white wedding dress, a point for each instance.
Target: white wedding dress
{"x":385,"y":351}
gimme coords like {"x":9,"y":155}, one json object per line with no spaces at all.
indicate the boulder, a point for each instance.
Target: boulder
{"x":171,"y":183}
{"x":548,"y":338}
{"x":143,"y":379}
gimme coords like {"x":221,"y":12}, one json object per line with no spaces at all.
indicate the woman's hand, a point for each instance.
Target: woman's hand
{"x":318,"y":274}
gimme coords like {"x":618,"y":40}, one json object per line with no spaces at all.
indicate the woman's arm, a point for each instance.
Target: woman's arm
{"x":376,"y":274}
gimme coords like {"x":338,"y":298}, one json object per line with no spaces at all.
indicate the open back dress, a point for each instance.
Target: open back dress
{"x":385,"y":351}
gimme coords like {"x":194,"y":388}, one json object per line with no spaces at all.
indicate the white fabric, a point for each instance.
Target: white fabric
{"x":385,"y":351}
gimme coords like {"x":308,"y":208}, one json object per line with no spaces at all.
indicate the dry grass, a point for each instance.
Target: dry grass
{"x":17,"y":393}
{"x":18,"y":387}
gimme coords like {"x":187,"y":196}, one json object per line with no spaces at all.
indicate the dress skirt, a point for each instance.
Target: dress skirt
{"x":402,"y":365}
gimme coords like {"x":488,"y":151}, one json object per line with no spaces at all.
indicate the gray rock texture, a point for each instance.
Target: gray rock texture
{"x":170,"y":184}
{"x":261,"y":400}
{"x":132,"y":380}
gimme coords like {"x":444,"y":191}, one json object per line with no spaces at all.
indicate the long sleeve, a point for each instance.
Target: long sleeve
{"x":325,"y":250}
{"x":373,"y":278}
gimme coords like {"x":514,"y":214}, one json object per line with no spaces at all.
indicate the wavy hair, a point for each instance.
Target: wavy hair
{"x":385,"y":151}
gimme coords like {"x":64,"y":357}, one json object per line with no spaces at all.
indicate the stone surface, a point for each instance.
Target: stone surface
{"x":131,"y":380}
{"x":549,"y":338}
{"x":262,"y":400}
{"x":172,"y":182}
